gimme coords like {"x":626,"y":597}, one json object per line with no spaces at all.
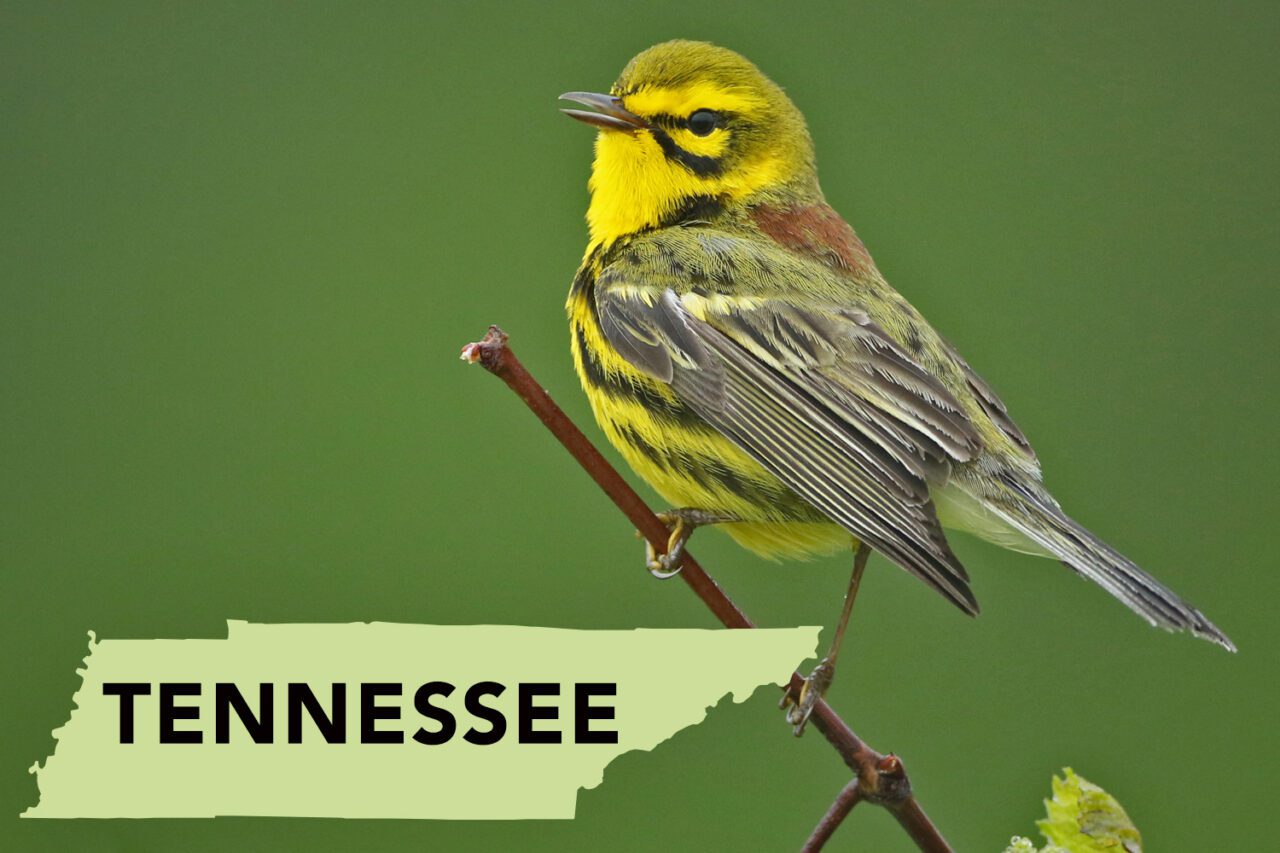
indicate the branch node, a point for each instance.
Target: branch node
{"x":890,"y":785}
{"x":489,"y":351}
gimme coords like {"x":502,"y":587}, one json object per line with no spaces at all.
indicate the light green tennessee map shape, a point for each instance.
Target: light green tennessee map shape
{"x":666,"y":680}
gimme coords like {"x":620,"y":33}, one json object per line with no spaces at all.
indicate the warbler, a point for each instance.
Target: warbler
{"x":744,"y":354}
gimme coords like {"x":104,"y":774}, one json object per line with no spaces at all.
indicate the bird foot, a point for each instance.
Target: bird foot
{"x":799,"y":703}
{"x":681,"y":522}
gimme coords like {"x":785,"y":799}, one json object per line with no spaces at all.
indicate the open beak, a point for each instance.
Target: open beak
{"x":608,"y":115}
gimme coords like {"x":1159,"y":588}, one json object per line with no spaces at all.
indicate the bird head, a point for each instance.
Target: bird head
{"x":690,"y":126}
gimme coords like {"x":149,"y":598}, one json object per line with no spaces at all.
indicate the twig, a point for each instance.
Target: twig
{"x":844,"y":803}
{"x":878,"y":779}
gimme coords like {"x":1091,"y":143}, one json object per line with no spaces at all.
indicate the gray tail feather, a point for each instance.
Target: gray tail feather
{"x":1031,"y":510}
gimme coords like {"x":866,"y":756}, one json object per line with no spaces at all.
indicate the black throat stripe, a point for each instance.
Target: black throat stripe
{"x":698,"y":208}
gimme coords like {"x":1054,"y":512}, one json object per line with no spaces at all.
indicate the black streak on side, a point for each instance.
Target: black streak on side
{"x":585,"y":277}
{"x":712,"y":473}
{"x":620,"y":386}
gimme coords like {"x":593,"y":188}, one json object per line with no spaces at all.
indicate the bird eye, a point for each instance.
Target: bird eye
{"x":702,"y":122}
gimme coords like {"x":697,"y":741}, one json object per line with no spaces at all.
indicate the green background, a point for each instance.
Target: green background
{"x":241,"y":245}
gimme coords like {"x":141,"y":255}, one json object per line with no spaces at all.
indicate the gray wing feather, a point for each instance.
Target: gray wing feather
{"x":836,"y":451}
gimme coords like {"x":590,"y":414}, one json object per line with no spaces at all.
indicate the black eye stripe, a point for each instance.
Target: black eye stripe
{"x":683,"y":122}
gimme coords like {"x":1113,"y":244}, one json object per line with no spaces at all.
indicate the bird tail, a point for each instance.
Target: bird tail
{"x":1028,"y":508}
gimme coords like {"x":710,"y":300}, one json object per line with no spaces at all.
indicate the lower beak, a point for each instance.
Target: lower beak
{"x":608,"y":115}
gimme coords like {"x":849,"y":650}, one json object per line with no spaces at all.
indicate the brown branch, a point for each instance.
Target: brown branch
{"x":848,"y":797}
{"x":879,"y":779}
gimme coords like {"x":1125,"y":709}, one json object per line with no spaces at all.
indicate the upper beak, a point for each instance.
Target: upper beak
{"x":609,"y":113}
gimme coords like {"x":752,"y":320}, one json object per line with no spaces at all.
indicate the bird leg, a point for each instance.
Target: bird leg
{"x":682,"y":522}
{"x":799,"y":704}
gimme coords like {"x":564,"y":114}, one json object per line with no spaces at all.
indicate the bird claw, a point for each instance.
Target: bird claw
{"x":800,"y":704}
{"x":664,"y":566}
{"x":682,"y":523}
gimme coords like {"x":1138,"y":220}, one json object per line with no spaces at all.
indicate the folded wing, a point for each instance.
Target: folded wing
{"x":821,"y":397}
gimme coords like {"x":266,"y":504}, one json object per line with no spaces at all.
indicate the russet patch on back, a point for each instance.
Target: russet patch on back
{"x":815,"y":230}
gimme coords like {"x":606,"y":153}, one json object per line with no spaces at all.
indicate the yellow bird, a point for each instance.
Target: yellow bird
{"x":743,"y":353}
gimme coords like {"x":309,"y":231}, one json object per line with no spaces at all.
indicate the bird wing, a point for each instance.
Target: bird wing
{"x":993,"y":407}
{"x":818,"y":394}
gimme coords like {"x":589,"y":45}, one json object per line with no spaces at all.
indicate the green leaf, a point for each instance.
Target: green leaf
{"x":1083,"y":818}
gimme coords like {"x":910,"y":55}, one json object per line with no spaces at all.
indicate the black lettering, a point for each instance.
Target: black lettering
{"x":497,"y":722}
{"x":333,"y":728}
{"x":528,"y":712}
{"x":371,"y":712}
{"x":422,"y":701}
{"x":126,"y":691}
{"x":584,"y":712}
{"x":227,"y":696}
{"x":169,"y":713}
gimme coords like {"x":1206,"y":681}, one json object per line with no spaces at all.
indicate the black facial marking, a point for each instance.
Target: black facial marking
{"x":700,"y":122}
{"x":703,"y":167}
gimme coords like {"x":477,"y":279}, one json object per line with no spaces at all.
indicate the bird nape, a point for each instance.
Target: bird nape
{"x":742,"y":351}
